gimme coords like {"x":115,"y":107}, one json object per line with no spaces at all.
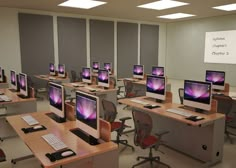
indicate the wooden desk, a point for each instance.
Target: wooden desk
{"x":87,"y":156}
{"x":202,"y":140}
{"x":57,"y":79}
{"x":108,"y":94}
{"x":3,"y":85}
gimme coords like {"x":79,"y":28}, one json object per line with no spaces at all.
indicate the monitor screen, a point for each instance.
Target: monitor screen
{"x":56,"y":99}
{"x":87,"y":113}
{"x":86,"y":75}
{"x":197,"y":94}
{"x":108,"y":66}
{"x":1,"y":75}
{"x":13,"y":79}
{"x":155,"y":87}
{"x":52,"y":69}
{"x":158,"y":71}
{"x":61,"y":70}
{"x":138,"y":71}
{"x":96,"y":66}
{"x":103,"y":78}
{"x":23,"y":84}
{"x":217,"y":78}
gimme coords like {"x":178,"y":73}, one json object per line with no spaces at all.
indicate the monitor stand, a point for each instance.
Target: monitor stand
{"x":13,"y":90}
{"x":84,"y":136}
{"x":56,"y":117}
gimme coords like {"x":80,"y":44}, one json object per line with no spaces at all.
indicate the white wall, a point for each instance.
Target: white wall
{"x":10,"y":45}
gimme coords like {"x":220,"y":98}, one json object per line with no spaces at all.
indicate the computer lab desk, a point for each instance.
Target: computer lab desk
{"x":202,"y":140}
{"x":103,"y":155}
{"x":56,"y":79}
{"x":3,"y":85}
{"x":107,"y":94}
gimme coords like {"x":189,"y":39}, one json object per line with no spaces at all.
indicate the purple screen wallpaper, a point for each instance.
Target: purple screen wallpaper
{"x":155,"y":85}
{"x":86,"y":110}
{"x":23,"y":82}
{"x":103,"y":76}
{"x":158,"y":71}
{"x":61,"y":69}
{"x":13,"y":78}
{"x":55,"y":97}
{"x":138,"y":70}
{"x":197,"y":92}
{"x":51,"y":68}
{"x":107,"y":66}
{"x":95,"y":65}
{"x":86,"y":73}
{"x":217,"y":78}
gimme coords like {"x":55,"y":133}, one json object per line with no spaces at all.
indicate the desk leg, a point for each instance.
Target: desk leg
{"x":21,"y":158}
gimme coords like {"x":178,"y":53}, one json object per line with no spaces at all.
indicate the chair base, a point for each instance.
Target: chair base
{"x":227,"y":133}
{"x":124,"y":142}
{"x":151,"y":160}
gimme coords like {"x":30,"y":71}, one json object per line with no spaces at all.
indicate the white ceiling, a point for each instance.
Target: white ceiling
{"x":126,"y":9}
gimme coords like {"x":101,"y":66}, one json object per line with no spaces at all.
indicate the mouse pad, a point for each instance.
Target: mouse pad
{"x":31,"y":129}
{"x":57,"y":155}
{"x":194,"y":118}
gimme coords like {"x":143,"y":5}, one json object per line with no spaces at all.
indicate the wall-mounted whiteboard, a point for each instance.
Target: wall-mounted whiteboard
{"x":220,"y":47}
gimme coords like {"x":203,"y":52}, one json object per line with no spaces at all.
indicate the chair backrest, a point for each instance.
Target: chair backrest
{"x":143,"y":126}
{"x":73,"y":76}
{"x":224,"y":103}
{"x":181,"y":95}
{"x":128,"y":88}
{"x":110,"y":111}
{"x":112,"y":82}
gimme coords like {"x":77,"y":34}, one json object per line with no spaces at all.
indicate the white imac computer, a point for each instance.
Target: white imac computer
{"x":62,"y":70}
{"x":108,"y":66}
{"x":217,"y":78}
{"x":158,"y":71}
{"x":1,"y":75}
{"x":103,"y":78}
{"x":95,"y":66}
{"x":24,"y":93}
{"x":156,"y":87}
{"x":197,"y":94}
{"x":56,"y":102}
{"x":138,"y":71}
{"x":52,"y":70}
{"x":14,"y":85}
{"x":87,"y":117}
{"x":86,"y":75}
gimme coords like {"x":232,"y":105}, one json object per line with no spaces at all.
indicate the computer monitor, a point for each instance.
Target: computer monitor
{"x":57,"y":101}
{"x":1,"y":75}
{"x":108,"y":66}
{"x":14,"y":80}
{"x":103,"y":78}
{"x":138,"y":71}
{"x":61,"y":70}
{"x":217,"y":78}
{"x":197,"y":94}
{"x":158,"y":71}
{"x":87,"y":113}
{"x":156,"y":87}
{"x":96,"y":66}
{"x":52,"y":70}
{"x":86,"y":75}
{"x":23,"y":84}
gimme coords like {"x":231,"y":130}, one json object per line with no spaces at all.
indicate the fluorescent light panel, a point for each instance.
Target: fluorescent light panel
{"x":84,"y":4}
{"x":162,"y":4}
{"x":176,"y":16}
{"x":229,"y":7}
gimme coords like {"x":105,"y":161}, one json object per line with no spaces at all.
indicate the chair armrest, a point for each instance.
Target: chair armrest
{"x":125,"y":118}
{"x":161,"y":133}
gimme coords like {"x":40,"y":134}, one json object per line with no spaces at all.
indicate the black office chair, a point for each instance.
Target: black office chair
{"x":2,"y":156}
{"x":181,"y":95}
{"x":74,"y":77}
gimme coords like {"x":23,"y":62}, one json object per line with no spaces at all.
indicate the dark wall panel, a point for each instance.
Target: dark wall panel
{"x":72,"y":43}
{"x":101,"y":41}
{"x":149,"y":36}
{"x":127,"y":48}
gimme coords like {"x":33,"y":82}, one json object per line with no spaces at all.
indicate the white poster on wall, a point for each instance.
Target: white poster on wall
{"x":220,"y":47}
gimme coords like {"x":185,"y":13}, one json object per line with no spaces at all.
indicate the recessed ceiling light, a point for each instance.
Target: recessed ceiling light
{"x":84,"y":4}
{"x":162,"y":4}
{"x":229,"y":7}
{"x":176,"y":16}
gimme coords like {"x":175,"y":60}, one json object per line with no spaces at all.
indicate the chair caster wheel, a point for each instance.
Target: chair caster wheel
{"x":13,"y":162}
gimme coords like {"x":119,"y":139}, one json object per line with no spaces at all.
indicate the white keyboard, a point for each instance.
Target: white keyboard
{"x":75,"y":84}
{"x":179,"y":112}
{"x":51,"y":78}
{"x":4,"y":98}
{"x":139,"y":101}
{"x":90,"y":88}
{"x":54,"y":142}
{"x":30,"y":120}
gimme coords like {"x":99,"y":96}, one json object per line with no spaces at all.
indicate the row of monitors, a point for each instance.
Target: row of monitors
{"x":86,"y":107}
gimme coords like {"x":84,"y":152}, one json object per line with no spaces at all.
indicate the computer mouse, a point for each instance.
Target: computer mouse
{"x":198,"y":117}
{"x":66,"y":153}
{"x":37,"y":127}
